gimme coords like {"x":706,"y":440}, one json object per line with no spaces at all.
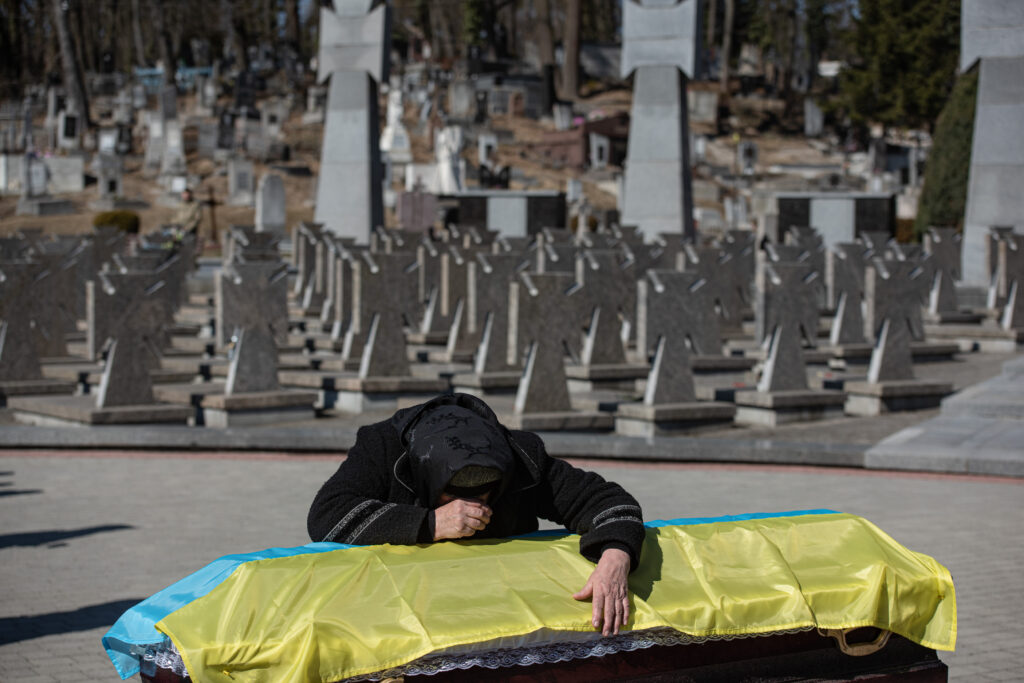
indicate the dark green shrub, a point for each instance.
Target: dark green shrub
{"x":128,"y":221}
{"x":944,"y":195}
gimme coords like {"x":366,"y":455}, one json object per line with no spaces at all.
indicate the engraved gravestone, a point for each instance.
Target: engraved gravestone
{"x":271,"y":204}
{"x":660,"y":43}
{"x":250,"y":296}
{"x":354,"y":53}
{"x":679,"y":305}
{"x":541,"y":322}
{"x":893,"y":290}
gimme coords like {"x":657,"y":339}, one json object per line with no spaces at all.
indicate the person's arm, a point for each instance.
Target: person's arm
{"x":352,"y":506}
{"x":610,"y":524}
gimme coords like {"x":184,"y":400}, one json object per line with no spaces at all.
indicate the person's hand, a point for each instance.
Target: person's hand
{"x":608,"y":586}
{"x":460,"y":518}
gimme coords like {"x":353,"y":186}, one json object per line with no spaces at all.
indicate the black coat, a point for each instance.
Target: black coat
{"x":372,"y":497}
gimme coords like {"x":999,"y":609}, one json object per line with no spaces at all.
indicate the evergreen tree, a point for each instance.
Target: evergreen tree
{"x":944,"y":195}
{"x":906,"y":62}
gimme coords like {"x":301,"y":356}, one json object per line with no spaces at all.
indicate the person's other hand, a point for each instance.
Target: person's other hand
{"x":608,"y":586}
{"x":460,"y":518}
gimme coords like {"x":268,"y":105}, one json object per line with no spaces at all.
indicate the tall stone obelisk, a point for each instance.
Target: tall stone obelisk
{"x":660,"y":43}
{"x":354,"y":51}
{"x":992,"y":31}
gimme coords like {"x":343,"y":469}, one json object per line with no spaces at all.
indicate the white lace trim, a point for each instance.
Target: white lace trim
{"x":165,"y":655}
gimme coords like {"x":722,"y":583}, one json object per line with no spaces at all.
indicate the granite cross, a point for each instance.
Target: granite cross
{"x":355,"y":54}
{"x":844,"y":275}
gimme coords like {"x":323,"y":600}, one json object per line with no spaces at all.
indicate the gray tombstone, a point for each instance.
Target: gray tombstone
{"x":240,"y":182}
{"x":893,"y":290}
{"x":991,"y":31}
{"x":489,"y":276}
{"x":844,"y":276}
{"x":383,"y":288}
{"x":251,"y":296}
{"x":19,"y":359}
{"x":253,"y":364}
{"x":680,"y":306}
{"x":787,"y":296}
{"x":354,"y":53}
{"x":271,"y":204}
{"x":608,"y":294}
{"x":944,"y":246}
{"x":540,"y":325}
{"x":660,"y":42}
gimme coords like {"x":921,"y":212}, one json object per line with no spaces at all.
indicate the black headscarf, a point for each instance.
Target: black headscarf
{"x":449,"y":434}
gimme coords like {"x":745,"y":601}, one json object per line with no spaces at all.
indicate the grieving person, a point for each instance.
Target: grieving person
{"x":447,"y":469}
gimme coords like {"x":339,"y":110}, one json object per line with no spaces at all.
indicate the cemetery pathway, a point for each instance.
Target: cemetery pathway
{"x":87,"y":534}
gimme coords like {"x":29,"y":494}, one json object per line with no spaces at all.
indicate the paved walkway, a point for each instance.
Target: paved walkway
{"x":86,"y":535}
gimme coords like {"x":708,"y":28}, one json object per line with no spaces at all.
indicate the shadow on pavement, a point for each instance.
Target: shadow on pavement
{"x":19,"y":492}
{"x":33,"y":538}
{"x":17,"y":629}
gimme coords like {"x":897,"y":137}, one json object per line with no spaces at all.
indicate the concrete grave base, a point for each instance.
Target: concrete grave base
{"x":363,"y":394}
{"x":952,"y":318}
{"x":33,"y":387}
{"x":436,"y":338}
{"x":194,"y":345}
{"x":637,"y":419}
{"x":560,"y":422}
{"x":487,"y":384}
{"x":44,"y":206}
{"x":52,"y":411}
{"x":710,"y":365}
{"x":258,"y":407}
{"x":868,"y":399}
{"x":620,"y":377}
{"x":423,"y":353}
{"x":989,"y":338}
{"x":721,"y":393}
{"x":339,"y":364}
{"x":813,"y":356}
{"x":87,"y":375}
{"x":772,"y":409}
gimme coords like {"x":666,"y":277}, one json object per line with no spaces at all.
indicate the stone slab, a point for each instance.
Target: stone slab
{"x":377,"y":385}
{"x":599,"y":373}
{"x":870,"y":399}
{"x":714,"y":364}
{"x":435,"y":338}
{"x":260,"y":400}
{"x":83,"y":410}
{"x":779,"y":400}
{"x":566,"y":421}
{"x":637,"y":419}
{"x":753,"y":416}
{"x":220,"y":419}
{"x":33,"y":387}
{"x":487,"y":383}
{"x":900,"y":388}
{"x":969,"y":445}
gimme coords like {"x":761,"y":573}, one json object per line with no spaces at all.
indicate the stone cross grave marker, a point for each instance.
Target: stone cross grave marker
{"x":489,"y":276}
{"x":608,"y":301}
{"x":710,"y":263}
{"x":661,"y":43}
{"x":787,"y":297}
{"x":304,"y":239}
{"x":19,"y":358}
{"x":675,"y":311}
{"x":115,"y":291}
{"x":892,"y":316}
{"x":139,"y":313}
{"x":337,"y":308}
{"x":245,"y":245}
{"x":253,"y":365}
{"x":428,"y":256}
{"x":251,"y":296}
{"x":383,"y":288}
{"x":542,"y":321}
{"x":355,"y":54}
{"x":892,"y":289}
{"x":943,"y":244}
{"x":844,"y":275}
{"x":679,"y":305}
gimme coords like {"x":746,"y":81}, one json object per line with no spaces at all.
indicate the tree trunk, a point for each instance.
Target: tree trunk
{"x":140,"y":45}
{"x":543,"y":34}
{"x":291,"y":27}
{"x":709,"y":42}
{"x":73,"y":81}
{"x":162,"y":40}
{"x":571,"y":43}
{"x":730,"y":12}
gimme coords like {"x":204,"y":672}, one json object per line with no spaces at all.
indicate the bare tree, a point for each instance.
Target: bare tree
{"x":73,"y":80}
{"x":730,"y":13}
{"x":571,"y":43}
